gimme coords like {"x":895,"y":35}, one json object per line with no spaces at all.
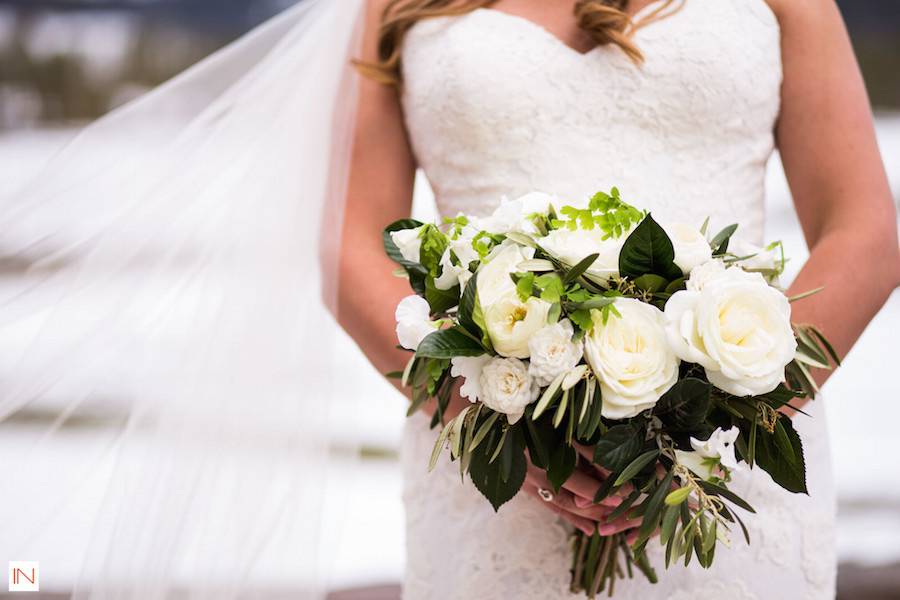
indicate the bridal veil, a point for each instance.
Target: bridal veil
{"x":170,"y":260}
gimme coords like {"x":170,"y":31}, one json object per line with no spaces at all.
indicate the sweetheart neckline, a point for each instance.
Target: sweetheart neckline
{"x":541,"y":28}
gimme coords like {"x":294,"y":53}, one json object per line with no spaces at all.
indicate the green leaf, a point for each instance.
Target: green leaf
{"x":678,"y":496}
{"x":618,"y":447}
{"x":718,"y":490}
{"x":648,"y":250}
{"x":579,"y":269}
{"x":719,"y":243}
{"x":448,"y":343}
{"x":416,"y":272}
{"x":651,"y":283}
{"x":434,"y":243}
{"x":488,"y":477}
{"x":635,"y":466}
{"x":791,"y":475}
{"x":525,"y":286}
{"x":669,"y":521}
{"x":484,"y":429}
{"x":467,"y":307}
{"x":685,"y":406}
{"x":563,"y":461}
{"x":654,"y":506}
{"x":544,"y":402}
{"x":440,"y":300}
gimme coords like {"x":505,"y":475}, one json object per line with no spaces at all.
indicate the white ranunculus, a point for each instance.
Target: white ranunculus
{"x":413,"y":321}
{"x":409,"y":243}
{"x":737,"y":327}
{"x":691,"y":247}
{"x":553,"y":352}
{"x":512,"y":215}
{"x":760,"y":258}
{"x":469,"y":370}
{"x":511,"y":323}
{"x":494,"y":281}
{"x":571,"y":247}
{"x":717,"y":451}
{"x":507,"y":388}
{"x":631,"y":358}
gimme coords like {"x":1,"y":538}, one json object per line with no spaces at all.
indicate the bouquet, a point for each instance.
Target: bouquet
{"x":667,"y":351}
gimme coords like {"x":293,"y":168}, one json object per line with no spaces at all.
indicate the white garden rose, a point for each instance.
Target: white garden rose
{"x":507,"y":388}
{"x":552,"y":352}
{"x":701,"y":274}
{"x":409,"y":243}
{"x":691,"y":247}
{"x":511,"y":323}
{"x":717,"y":451}
{"x":413,"y":322}
{"x":468,"y":369}
{"x":737,"y":327}
{"x":494,"y":282}
{"x":512,"y":215}
{"x":631,"y":358}
{"x":571,"y":247}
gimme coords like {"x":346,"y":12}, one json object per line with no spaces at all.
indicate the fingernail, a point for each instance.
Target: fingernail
{"x":583,"y":502}
{"x":587,"y":530}
{"x":606,"y":529}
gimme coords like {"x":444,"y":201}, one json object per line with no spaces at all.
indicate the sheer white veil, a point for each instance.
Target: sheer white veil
{"x":167,"y":311}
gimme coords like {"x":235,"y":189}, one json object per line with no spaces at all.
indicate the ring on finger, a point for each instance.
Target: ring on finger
{"x":545,"y":495}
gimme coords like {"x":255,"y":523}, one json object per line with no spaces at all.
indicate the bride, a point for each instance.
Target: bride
{"x":196,"y":256}
{"x":680,"y":105}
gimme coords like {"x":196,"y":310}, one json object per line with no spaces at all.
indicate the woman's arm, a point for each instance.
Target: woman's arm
{"x":826,"y":137}
{"x":380,"y":191}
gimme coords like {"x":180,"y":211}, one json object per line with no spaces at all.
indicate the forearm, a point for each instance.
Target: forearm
{"x":369,"y":319}
{"x":858,"y":269}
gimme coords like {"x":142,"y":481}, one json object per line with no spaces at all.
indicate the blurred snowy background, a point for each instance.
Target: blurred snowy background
{"x":64,"y":62}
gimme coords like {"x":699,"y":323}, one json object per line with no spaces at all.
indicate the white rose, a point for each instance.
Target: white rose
{"x":571,"y":247}
{"x":507,"y":388}
{"x":631,"y":358}
{"x":511,"y":323}
{"x":704,"y":273}
{"x":409,"y":243}
{"x":691,"y":247}
{"x":452,"y":275}
{"x":413,"y":321}
{"x":512,"y":215}
{"x":737,"y":327}
{"x":553,"y":352}
{"x":469,"y":370}
{"x":717,"y":451}
{"x":759,"y":259}
{"x":494,"y":281}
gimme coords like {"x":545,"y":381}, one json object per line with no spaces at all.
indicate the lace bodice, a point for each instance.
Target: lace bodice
{"x":498,"y":106}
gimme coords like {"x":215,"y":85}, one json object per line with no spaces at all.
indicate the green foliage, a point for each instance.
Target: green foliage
{"x":501,"y":479}
{"x":448,"y":343}
{"x":618,"y":447}
{"x":685,"y":406}
{"x":415,"y":271}
{"x":607,"y":212}
{"x":648,"y":250}
{"x":780,"y":454}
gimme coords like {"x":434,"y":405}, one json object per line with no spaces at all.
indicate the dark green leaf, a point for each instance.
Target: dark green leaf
{"x":467,"y":306}
{"x":636,"y":465}
{"x":563,"y":460}
{"x":448,"y":343}
{"x":417,"y":273}
{"x":789,"y":475}
{"x":648,"y":250}
{"x":718,"y":490}
{"x":654,"y":506}
{"x":651,"y":283}
{"x":488,"y":477}
{"x":440,"y":300}
{"x":618,"y":447}
{"x":685,"y":406}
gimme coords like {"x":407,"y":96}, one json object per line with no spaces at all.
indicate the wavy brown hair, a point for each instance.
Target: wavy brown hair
{"x":604,"y":20}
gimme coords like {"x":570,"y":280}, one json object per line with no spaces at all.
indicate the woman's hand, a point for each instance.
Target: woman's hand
{"x":575,"y":500}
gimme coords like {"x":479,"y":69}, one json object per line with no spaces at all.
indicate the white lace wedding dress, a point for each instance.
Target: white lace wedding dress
{"x":496,"y":105}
